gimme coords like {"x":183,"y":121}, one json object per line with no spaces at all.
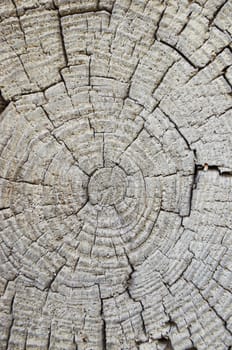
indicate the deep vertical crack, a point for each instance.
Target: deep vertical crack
{"x":61,"y":33}
{"x":3,"y":103}
{"x":55,"y":274}
{"x":49,"y":338}
{"x":25,"y":343}
{"x":195,"y":179}
{"x":129,"y":293}
{"x":158,"y":23}
{"x":104,"y":340}
{"x":9,"y":334}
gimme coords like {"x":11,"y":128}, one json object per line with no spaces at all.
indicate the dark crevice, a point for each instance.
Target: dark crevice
{"x":47,"y":115}
{"x":177,"y":128}
{"x":12,"y":304}
{"x":92,"y":127}
{"x":227,"y":80}
{"x":195,"y":180}
{"x":203,"y":168}
{"x":221,"y":30}
{"x":95,"y":232}
{"x":141,"y":312}
{"x":180,"y":53}
{"x":61,"y":34}
{"x":158,"y":23}
{"x":167,"y":287}
{"x":103,"y":334}
{"x":49,"y":284}
{"x":170,"y":322}
{"x":217,"y":12}
{"x":9,"y":334}
{"x":75,"y":343}
{"x":127,"y":94}
{"x":3,"y":103}
{"x":31,"y":183}
{"x":142,"y":319}
{"x":105,"y":9}
{"x":104,"y":341}
{"x":183,"y":272}
{"x":22,"y":182}
{"x":66,"y":88}
{"x":222,"y":73}
{"x":131,"y":272}
{"x":162,"y":78}
{"x":80,"y":11}
{"x":49,"y":338}
{"x":25,"y":342}
{"x":16,"y":97}
{"x":62,"y":142}
{"x":7,"y":283}
{"x":4,"y":208}
{"x":89,"y":68}
{"x":24,"y":69}
{"x":166,"y":342}
{"x":206,"y":167}
{"x":127,"y":289}
{"x":134,"y":140}
{"x":212,"y":60}
{"x":185,"y":25}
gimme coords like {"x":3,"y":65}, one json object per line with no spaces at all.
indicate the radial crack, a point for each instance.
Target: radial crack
{"x":61,"y":34}
{"x":179,"y":52}
{"x":104,"y":339}
{"x":217,"y":12}
{"x":176,"y":127}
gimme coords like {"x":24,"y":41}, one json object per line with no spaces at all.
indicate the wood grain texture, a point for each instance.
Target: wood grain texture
{"x":115,"y":175}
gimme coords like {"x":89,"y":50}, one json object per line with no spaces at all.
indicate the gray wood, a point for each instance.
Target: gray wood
{"x":115,"y":175}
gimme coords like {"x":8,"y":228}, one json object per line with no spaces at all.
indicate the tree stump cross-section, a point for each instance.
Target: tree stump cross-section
{"x":115,"y":175}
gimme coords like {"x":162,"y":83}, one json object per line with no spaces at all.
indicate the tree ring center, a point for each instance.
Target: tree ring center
{"x":107,"y":186}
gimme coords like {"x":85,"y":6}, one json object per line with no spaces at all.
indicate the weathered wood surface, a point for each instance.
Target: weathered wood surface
{"x":115,"y":174}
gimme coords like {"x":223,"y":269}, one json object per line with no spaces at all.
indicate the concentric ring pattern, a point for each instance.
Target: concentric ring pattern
{"x":115,"y":175}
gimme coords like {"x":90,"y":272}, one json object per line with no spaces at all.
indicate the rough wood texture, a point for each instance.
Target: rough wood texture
{"x":115,"y":175}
